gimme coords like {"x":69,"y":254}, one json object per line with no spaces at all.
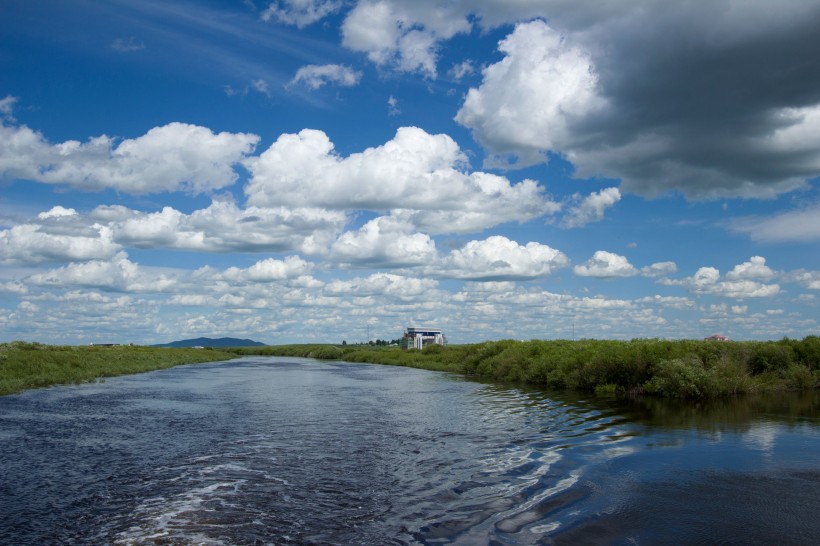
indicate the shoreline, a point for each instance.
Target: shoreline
{"x":693,"y":369}
{"x":672,"y":369}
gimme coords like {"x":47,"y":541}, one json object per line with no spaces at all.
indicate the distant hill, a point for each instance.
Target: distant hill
{"x":210,"y":342}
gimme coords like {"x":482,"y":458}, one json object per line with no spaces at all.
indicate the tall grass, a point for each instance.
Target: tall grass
{"x":30,"y":365}
{"x":682,"y":368}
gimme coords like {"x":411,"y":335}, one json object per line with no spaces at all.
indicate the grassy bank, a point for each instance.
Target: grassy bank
{"x":31,"y":365}
{"x":684,"y":368}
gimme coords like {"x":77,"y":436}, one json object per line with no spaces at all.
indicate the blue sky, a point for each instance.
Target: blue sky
{"x":320,"y":170}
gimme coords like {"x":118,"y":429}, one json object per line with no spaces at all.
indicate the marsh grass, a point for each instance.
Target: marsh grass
{"x":26,"y":365}
{"x":679,"y":368}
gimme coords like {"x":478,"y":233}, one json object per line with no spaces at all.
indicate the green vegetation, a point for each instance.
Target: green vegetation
{"x":678,"y":369}
{"x":684,"y":368}
{"x":30,"y":365}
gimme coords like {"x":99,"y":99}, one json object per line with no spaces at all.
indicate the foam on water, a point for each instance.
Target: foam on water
{"x":314,"y":453}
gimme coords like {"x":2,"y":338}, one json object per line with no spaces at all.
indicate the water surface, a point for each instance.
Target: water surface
{"x":295,"y":451}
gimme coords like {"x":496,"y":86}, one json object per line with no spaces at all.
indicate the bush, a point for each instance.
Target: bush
{"x":771,"y":357}
{"x":798,"y":376}
{"x":682,"y":378}
{"x":807,"y":352}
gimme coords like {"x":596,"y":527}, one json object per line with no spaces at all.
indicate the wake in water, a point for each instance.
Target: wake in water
{"x":283,"y":451}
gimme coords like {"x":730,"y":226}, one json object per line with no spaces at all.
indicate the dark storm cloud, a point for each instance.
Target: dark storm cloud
{"x":708,"y":98}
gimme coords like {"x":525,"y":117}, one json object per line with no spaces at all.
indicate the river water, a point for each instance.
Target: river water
{"x":296,"y":451}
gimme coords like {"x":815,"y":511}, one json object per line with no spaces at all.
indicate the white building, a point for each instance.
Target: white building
{"x":419,"y":338}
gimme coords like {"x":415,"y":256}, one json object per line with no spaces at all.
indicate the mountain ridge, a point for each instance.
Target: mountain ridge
{"x":212,"y":342}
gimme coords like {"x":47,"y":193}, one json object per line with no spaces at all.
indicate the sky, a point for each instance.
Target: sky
{"x":299,"y":171}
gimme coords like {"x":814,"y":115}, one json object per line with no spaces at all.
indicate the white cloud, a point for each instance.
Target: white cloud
{"x":529,"y":101}
{"x":591,"y":208}
{"x":599,"y":91}
{"x":315,"y":76}
{"x":173,"y":157}
{"x":62,"y":234}
{"x":754,"y":269}
{"x":659,"y":269}
{"x":807,"y":279}
{"x":300,"y":13}
{"x":605,"y":265}
{"x":462,"y":69}
{"x":224,"y":227}
{"x":118,"y":274}
{"x":384,"y":241}
{"x":404,"y":34}
{"x":737,"y":284}
{"x":14,"y":287}
{"x":599,"y":303}
{"x":673,"y":302}
{"x":413,"y":171}
{"x":802,"y":225}
{"x":498,"y":258}
{"x":56,"y":212}
{"x":262,"y":87}
{"x":270,"y":270}
{"x":57,"y":238}
{"x":383,"y":284}
{"x":393,"y":106}
{"x":7,"y":107}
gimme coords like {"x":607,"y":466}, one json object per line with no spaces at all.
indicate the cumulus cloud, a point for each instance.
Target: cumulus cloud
{"x":807,"y":279}
{"x":300,"y":13}
{"x":315,"y":76}
{"x":404,"y":35}
{"x":605,"y":265}
{"x":498,"y":258}
{"x":382,"y":284}
{"x":415,"y":171}
{"x":659,"y":269}
{"x":62,"y":234}
{"x":754,"y":269}
{"x":693,"y":116}
{"x":58,"y":235}
{"x":224,"y":227}
{"x":591,"y":208}
{"x":270,"y":270}
{"x":739,"y":283}
{"x":529,"y":102}
{"x":384,"y":241}
{"x":173,"y":157}
{"x":663,"y":97}
{"x":118,"y":274}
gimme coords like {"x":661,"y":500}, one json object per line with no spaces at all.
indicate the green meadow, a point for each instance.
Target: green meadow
{"x":26,"y":365}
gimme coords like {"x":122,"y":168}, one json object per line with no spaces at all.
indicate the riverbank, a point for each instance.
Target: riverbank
{"x":678,"y":368}
{"x":672,"y":369}
{"x":31,"y":365}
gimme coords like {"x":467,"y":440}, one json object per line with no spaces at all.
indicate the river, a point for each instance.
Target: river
{"x":265,"y":450}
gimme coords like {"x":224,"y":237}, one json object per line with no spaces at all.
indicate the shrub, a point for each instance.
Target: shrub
{"x":770,"y":357}
{"x":683,"y":378}
{"x":798,"y":376}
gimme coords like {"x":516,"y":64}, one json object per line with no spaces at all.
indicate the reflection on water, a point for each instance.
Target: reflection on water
{"x":294,"y":451}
